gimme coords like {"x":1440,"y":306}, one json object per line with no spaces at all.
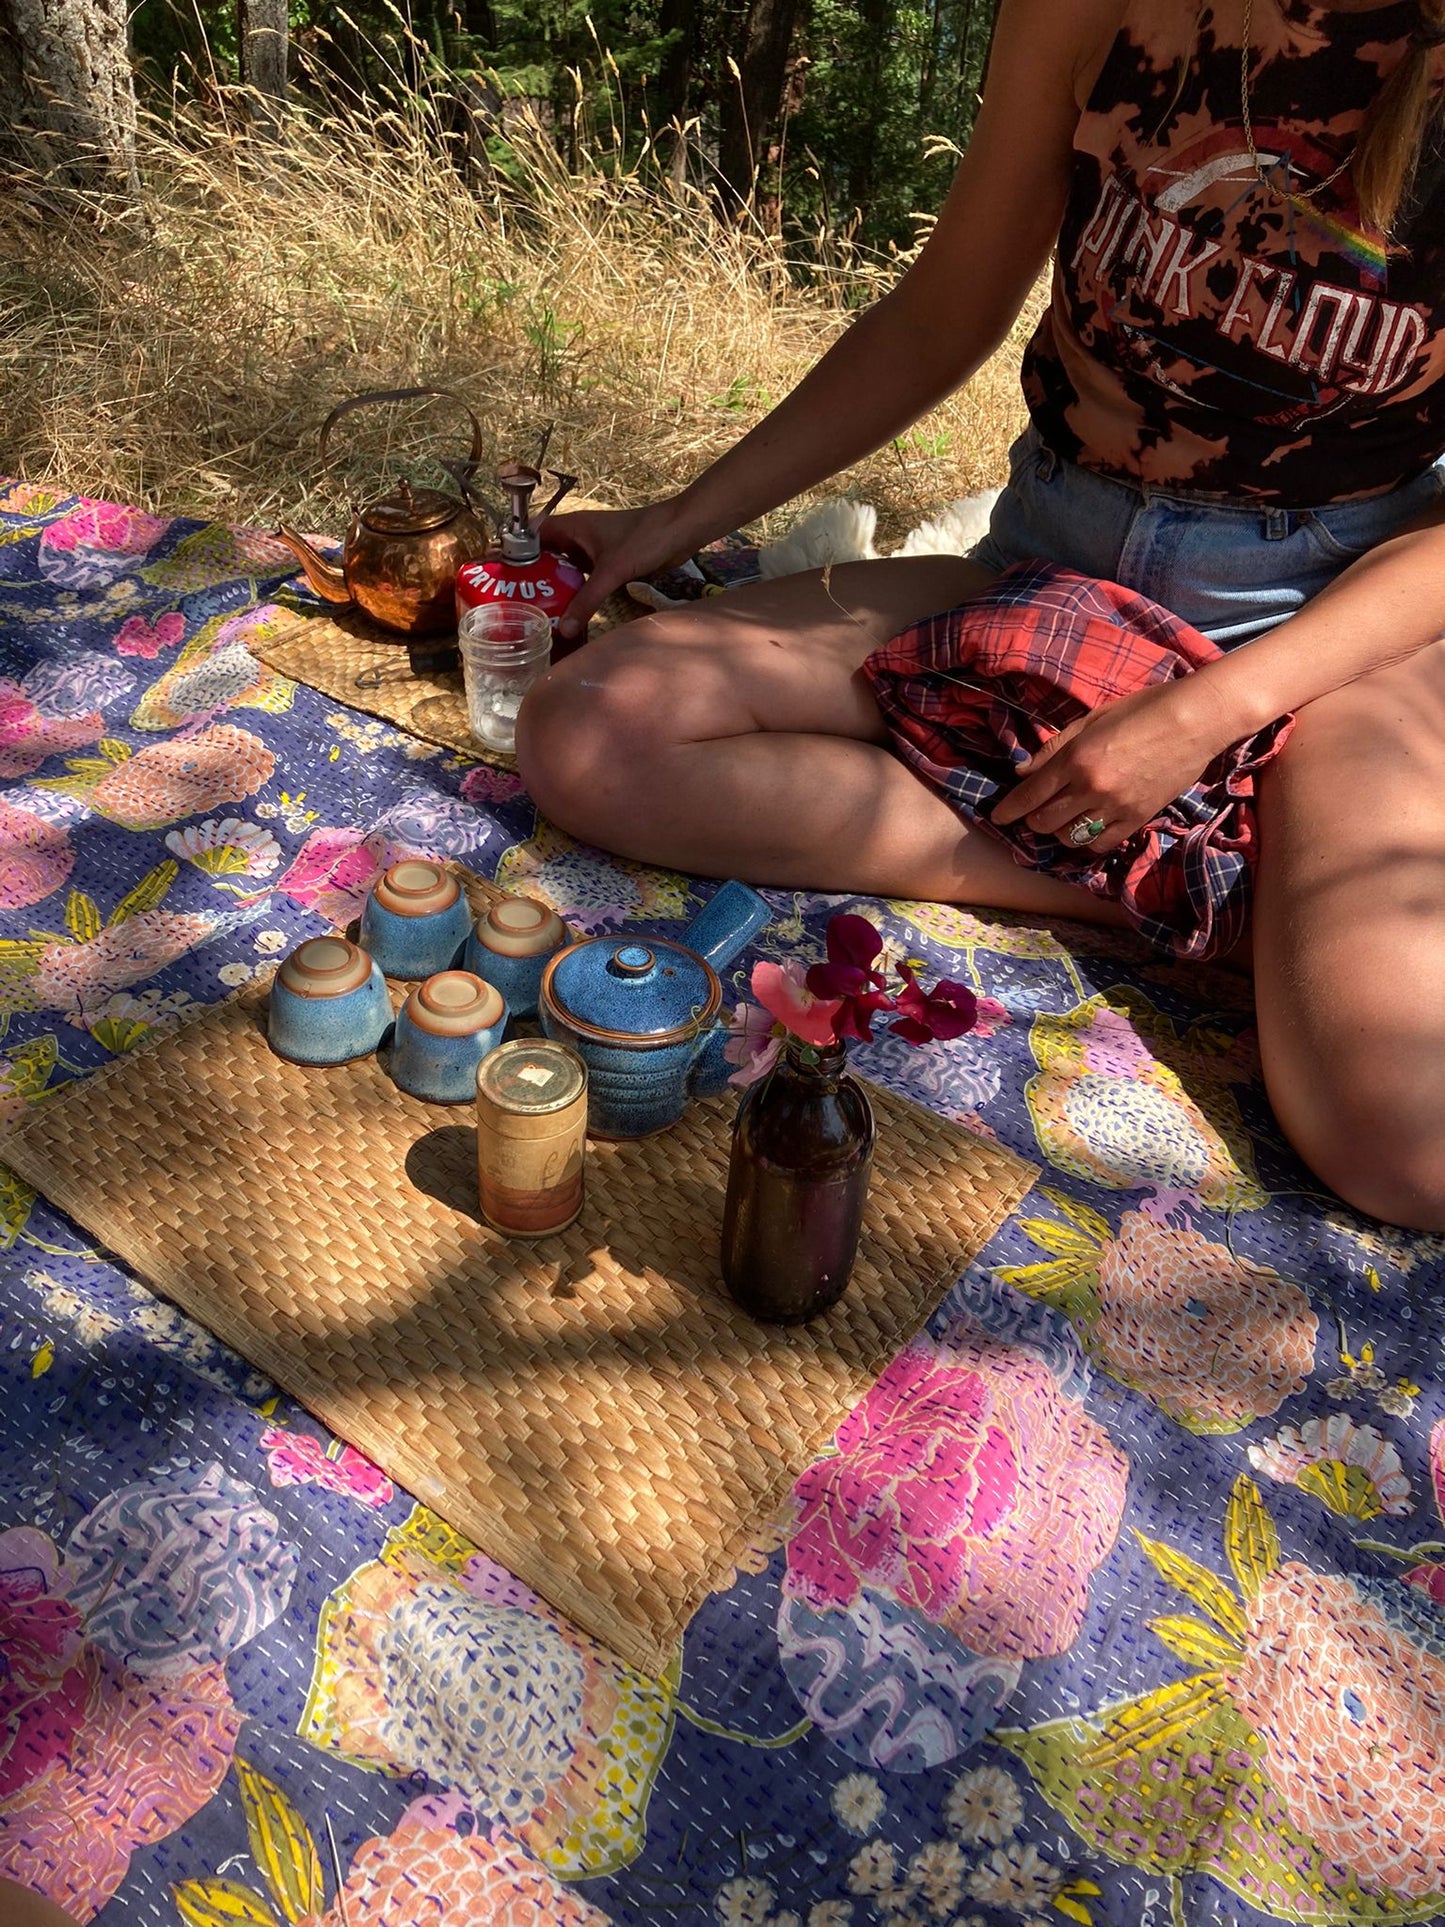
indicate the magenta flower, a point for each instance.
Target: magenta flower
{"x":137,"y":637}
{"x":849,"y":976}
{"x":787,"y":995}
{"x":295,"y":1458}
{"x":946,"y":1011}
{"x":968,"y":1487}
{"x":483,"y":785}
{"x":753,"y":1044}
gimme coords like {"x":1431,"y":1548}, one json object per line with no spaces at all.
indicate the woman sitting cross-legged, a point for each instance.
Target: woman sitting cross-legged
{"x":1237,"y":411}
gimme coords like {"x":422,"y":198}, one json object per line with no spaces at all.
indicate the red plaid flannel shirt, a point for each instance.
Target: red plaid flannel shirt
{"x":970,"y":693}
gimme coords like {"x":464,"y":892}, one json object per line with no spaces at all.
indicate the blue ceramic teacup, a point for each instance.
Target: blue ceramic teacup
{"x":328,"y":1003}
{"x":443,"y":1031}
{"x":416,"y":919}
{"x":512,"y":945}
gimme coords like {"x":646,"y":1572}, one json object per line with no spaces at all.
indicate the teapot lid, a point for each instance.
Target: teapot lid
{"x":409,"y":512}
{"x":638,"y":990}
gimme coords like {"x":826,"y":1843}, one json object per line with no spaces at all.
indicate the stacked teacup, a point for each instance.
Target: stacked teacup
{"x":329,"y":1002}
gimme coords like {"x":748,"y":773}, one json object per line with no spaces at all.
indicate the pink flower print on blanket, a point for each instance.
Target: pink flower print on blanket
{"x":145,"y":1759}
{"x":96,"y":544}
{"x":484,"y":785}
{"x":334,"y":869}
{"x":970,"y":1488}
{"x":80,"y":978}
{"x":1344,"y":1681}
{"x":295,"y":1458}
{"x":1429,"y":1577}
{"x":139,"y":637}
{"x":129,"y":1728}
{"x":423,"y":1876}
{"x":1214,"y":1340}
{"x":36,"y":857}
{"x":45,"y":1685}
{"x":27,"y":736}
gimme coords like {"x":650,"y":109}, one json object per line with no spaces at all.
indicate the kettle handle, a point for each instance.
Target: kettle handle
{"x":473,"y":461}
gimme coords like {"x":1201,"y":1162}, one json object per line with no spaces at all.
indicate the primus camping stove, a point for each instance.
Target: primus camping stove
{"x":517,"y":568}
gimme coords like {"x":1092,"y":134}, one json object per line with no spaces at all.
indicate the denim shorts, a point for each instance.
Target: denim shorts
{"x":1230,"y":569}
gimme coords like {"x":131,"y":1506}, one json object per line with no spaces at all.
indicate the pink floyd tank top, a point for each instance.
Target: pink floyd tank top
{"x":1214,"y":332}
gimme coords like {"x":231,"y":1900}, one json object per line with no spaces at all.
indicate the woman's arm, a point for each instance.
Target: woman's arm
{"x":947,"y":314}
{"x":958,"y":300}
{"x":1123,"y":763}
{"x":1381,"y":609}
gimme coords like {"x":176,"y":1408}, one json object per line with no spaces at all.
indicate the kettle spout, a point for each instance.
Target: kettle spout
{"x":325,"y":578}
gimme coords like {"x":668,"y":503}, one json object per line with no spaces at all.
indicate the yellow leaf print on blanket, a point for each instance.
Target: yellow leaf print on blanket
{"x":1299,"y":1765}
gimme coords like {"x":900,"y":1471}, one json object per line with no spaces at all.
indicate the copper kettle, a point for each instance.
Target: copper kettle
{"x":400,"y":558}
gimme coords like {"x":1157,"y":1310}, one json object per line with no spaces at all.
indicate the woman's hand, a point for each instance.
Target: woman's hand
{"x":618,"y":546}
{"x":1121,"y":764}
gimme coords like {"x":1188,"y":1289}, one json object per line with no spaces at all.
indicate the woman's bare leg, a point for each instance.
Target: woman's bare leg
{"x":1349,"y":940}
{"x":735,"y":737}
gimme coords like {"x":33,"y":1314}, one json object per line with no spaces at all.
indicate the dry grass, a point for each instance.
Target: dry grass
{"x":189,"y":370}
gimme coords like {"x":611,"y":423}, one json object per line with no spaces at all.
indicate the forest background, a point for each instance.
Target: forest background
{"x":639,"y":220}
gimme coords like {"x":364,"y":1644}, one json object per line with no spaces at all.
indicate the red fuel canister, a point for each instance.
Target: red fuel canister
{"x":518,"y":568}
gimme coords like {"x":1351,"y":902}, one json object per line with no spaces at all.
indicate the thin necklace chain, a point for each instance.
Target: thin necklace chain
{"x":1289,"y":194}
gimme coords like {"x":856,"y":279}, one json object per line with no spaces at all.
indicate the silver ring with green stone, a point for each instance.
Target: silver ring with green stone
{"x":1085,"y":829}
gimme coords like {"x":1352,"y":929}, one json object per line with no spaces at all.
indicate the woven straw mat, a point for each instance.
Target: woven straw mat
{"x":589,"y":1409}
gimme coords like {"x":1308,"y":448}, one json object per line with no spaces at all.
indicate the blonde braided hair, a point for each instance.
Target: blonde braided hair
{"x":1396,"y":126}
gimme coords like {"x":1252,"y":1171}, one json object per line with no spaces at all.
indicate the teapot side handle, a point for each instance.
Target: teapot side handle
{"x":727,"y":924}
{"x":710,"y":1069}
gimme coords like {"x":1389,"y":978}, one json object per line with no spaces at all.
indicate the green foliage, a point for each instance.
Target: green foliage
{"x":878,"y":94}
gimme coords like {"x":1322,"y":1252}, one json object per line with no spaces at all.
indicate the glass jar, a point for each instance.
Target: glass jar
{"x":797,"y":1184}
{"x":504,"y":647}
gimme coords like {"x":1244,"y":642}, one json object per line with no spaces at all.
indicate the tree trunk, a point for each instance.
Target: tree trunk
{"x":475,"y":115}
{"x":67,"y":96}
{"x":879,"y":19}
{"x":768,"y":188}
{"x":752,"y":106}
{"x":677,"y":24}
{"x":262,"y":31}
{"x":479,"y":22}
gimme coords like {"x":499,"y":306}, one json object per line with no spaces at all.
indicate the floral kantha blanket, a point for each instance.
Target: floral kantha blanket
{"x":1120,"y":1600}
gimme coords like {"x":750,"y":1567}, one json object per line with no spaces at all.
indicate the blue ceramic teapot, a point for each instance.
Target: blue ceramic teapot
{"x":643,"y":1014}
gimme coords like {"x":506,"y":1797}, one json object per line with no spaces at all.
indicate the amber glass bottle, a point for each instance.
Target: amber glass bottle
{"x":797,"y":1183}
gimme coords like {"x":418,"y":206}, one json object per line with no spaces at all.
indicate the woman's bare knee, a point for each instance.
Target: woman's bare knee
{"x":584,"y":732}
{"x":1377,"y":1163}
{"x":1409,"y":1191}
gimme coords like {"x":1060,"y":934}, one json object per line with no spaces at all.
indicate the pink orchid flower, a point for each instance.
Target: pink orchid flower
{"x":753,"y":1044}
{"x":784,"y":992}
{"x":853,"y":945}
{"x":946,"y":1011}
